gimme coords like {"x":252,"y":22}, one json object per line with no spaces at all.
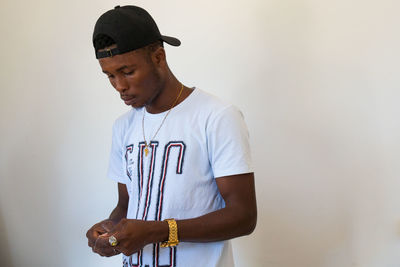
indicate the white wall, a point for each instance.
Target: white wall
{"x":315,"y":79}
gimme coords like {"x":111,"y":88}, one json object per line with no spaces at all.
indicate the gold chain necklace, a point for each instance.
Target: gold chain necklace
{"x":146,"y":146}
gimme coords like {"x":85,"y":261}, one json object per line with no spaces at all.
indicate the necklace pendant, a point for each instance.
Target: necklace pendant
{"x":146,"y":151}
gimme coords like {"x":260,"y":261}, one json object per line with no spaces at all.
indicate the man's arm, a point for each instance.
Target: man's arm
{"x":122,"y":206}
{"x":237,"y":218}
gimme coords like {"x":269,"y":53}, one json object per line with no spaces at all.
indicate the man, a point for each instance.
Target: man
{"x":180,"y":156}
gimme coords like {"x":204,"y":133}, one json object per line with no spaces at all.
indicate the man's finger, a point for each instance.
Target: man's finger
{"x":116,"y":232}
{"x":103,"y":242}
{"x":92,"y":237}
{"x":107,"y":226}
{"x":104,"y":245}
{"x":102,"y":248}
{"x":116,"y":251}
{"x":106,"y":251}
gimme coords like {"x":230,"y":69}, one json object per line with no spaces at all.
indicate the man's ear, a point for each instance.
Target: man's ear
{"x":159,"y":57}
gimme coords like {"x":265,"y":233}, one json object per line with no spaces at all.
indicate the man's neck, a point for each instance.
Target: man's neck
{"x":165,"y":100}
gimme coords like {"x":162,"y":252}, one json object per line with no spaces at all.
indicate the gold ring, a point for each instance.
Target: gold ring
{"x":113,"y":241}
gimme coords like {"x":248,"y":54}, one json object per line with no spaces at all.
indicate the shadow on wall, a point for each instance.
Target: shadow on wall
{"x":5,"y":256}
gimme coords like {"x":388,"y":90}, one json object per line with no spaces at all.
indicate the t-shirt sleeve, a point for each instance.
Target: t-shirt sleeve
{"x":228,"y":143}
{"x":115,"y":166}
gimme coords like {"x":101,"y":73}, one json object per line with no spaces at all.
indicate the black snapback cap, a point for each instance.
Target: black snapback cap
{"x":131,"y":28}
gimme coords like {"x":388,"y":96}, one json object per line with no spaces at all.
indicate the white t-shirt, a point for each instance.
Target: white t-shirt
{"x":201,"y":139}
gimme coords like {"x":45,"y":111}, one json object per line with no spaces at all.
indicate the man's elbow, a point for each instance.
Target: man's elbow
{"x":247,"y":221}
{"x":251,"y":222}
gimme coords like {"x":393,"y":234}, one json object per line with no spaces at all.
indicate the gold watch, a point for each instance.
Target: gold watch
{"x":173,"y":234}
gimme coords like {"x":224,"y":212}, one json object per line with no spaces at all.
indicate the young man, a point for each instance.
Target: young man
{"x":180,"y":156}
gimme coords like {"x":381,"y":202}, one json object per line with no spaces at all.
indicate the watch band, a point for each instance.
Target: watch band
{"x":173,"y":234}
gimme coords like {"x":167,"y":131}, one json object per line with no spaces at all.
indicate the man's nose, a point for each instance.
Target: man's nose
{"x":121,"y":85}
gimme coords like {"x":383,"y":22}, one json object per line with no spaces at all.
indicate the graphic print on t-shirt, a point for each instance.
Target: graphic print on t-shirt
{"x":146,"y":165}
{"x":129,"y":161}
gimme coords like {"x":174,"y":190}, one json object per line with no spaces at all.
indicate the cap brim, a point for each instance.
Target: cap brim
{"x":171,"y":40}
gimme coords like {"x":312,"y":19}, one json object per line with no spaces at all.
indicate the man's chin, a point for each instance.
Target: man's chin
{"x":136,"y":105}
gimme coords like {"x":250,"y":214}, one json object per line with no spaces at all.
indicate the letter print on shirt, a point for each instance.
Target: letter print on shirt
{"x":129,"y":161}
{"x":153,"y":146}
{"x":179,"y":164}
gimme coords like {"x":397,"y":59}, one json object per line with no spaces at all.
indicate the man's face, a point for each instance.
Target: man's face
{"x":134,"y":76}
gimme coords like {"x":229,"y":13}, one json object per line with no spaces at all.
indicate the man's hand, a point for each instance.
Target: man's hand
{"x":106,"y":226}
{"x":95,"y":232}
{"x":132,"y":235}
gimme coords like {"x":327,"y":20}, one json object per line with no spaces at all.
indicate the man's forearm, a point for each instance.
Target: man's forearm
{"x":219,"y":225}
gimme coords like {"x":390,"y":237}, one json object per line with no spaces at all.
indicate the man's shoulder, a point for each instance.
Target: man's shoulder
{"x":210,"y":103}
{"x":216,"y":108}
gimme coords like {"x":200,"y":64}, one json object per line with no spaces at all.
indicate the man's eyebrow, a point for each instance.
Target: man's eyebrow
{"x":121,"y":68}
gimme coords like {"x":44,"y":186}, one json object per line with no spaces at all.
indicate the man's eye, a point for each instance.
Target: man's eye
{"x":128,"y":73}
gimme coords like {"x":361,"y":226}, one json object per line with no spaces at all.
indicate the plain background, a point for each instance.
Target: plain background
{"x":318,"y":83}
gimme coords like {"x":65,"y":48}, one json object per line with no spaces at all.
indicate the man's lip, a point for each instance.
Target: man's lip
{"x":129,"y":100}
